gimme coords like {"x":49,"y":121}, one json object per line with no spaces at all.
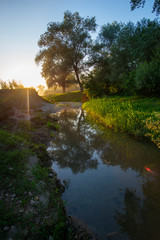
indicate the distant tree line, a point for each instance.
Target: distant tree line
{"x":125,"y":58}
{"x":13,"y":84}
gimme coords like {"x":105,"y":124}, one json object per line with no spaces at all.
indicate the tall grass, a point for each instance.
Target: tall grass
{"x":132,"y":115}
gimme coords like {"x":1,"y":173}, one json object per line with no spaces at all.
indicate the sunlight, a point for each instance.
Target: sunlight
{"x":24,"y":72}
{"x":28,"y":105}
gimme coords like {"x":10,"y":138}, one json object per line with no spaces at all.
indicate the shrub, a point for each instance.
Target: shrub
{"x":147,"y":76}
{"x":153,"y":128}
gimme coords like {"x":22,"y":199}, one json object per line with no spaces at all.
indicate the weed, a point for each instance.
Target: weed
{"x":53,"y":125}
{"x":40,"y":172}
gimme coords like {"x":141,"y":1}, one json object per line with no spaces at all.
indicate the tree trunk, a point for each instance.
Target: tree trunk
{"x":64,"y":88}
{"x":78,"y":80}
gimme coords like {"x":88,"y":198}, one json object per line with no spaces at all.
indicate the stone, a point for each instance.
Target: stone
{"x":36,"y":198}
{"x":32,"y":202}
{"x":6,"y":228}
{"x":30,"y":194}
{"x":50,"y":238}
{"x":13,"y":229}
{"x":110,"y":235}
{"x":13,"y":195}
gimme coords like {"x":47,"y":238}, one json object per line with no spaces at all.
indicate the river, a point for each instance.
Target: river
{"x":112,"y":180}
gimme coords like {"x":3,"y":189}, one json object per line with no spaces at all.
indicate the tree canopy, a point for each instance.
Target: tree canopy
{"x":65,"y":47}
{"x":141,"y":3}
{"x":126,"y":59}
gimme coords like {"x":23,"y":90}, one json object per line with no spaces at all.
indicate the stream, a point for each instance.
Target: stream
{"x":112,"y":180}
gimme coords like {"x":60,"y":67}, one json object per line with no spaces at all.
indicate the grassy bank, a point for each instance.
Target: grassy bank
{"x":30,"y":199}
{"x":30,"y":204}
{"x":65,"y":97}
{"x":136,"y":116}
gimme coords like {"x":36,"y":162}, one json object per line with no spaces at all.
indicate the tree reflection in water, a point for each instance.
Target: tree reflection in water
{"x":81,"y":147}
{"x":140,"y":217}
{"x":73,"y":147}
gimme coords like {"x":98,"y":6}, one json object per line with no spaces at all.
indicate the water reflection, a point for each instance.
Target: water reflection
{"x":75,"y":145}
{"x":114,"y":179}
{"x":140,"y":220}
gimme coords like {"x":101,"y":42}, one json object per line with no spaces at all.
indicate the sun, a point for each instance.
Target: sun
{"x":24,"y":72}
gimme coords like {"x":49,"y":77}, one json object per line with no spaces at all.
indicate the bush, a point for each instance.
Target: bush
{"x":147,"y":76}
{"x":97,"y":84}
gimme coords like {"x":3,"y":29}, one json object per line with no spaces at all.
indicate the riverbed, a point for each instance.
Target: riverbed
{"x":112,"y":180}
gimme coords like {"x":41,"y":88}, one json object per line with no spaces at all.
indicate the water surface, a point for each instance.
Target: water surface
{"x":113,"y":180}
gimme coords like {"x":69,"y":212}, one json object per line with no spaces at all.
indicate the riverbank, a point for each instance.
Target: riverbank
{"x":30,"y":192}
{"x":136,"y":116}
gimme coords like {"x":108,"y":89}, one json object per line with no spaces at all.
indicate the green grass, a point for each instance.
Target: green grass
{"x":19,"y":178}
{"x":65,"y":97}
{"x":53,"y":125}
{"x":136,"y":116}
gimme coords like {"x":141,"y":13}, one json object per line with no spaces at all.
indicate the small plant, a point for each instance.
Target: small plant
{"x":153,"y":128}
{"x":40,"y":172}
{"x":53,"y":125}
{"x":52,"y":134}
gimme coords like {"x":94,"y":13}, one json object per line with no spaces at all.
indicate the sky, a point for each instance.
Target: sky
{"x":23,"y":21}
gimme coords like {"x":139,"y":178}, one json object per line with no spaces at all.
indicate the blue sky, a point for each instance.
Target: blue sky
{"x":23,"y":21}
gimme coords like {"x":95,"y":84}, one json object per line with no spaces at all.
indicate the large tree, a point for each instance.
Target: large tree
{"x":126,"y":58}
{"x":65,"y":46}
{"x":141,"y":3}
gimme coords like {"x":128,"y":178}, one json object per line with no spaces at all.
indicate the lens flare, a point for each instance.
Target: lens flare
{"x":148,"y":169}
{"x":28,"y":105}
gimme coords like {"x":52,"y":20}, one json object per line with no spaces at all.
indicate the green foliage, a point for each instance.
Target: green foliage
{"x":13,"y":163}
{"x":40,"y":172}
{"x":153,"y":128}
{"x":40,"y":151}
{"x":64,"y":48}
{"x":9,"y":141}
{"x":147,"y":76}
{"x":97,"y":84}
{"x":134,"y":116}
{"x":141,"y":3}
{"x":126,"y":58}
{"x":15,"y":178}
{"x":53,"y":125}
